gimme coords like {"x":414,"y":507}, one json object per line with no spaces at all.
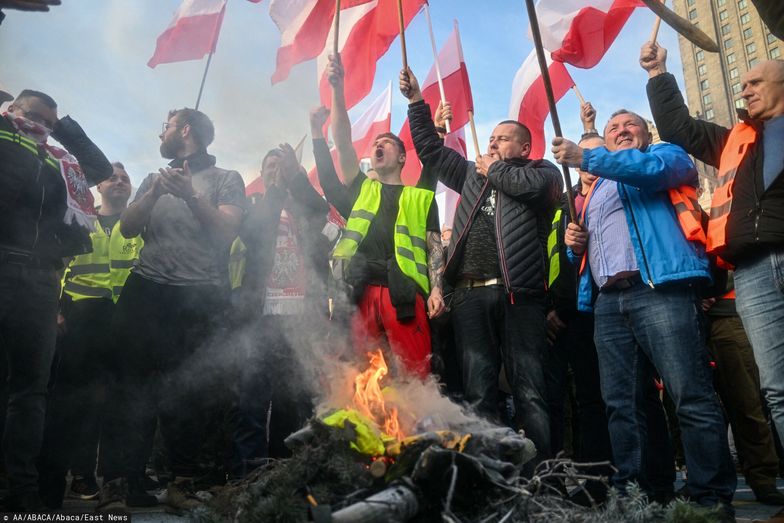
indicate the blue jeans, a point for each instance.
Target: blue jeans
{"x":638,"y":327}
{"x":759,"y":285}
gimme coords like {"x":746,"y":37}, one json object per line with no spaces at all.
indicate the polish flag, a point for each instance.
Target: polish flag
{"x":579,"y":32}
{"x":304,"y":26}
{"x":375,"y":120}
{"x":529,"y":100}
{"x":457,"y":90}
{"x":367,"y":30}
{"x":192,"y":33}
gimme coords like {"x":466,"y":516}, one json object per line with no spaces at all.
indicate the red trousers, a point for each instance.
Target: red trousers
{"x":409,"y":340}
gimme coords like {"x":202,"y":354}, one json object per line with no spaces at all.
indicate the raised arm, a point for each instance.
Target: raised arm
{"x":336,"y":193}
{"x":341,"y":125}
{"x":450,"y":167}
{"x":704,"y":140}
{"x":134,"y":219}
{"x":93,"y":162}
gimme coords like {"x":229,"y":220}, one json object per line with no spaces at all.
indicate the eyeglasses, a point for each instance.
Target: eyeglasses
{"x":166,"y":126}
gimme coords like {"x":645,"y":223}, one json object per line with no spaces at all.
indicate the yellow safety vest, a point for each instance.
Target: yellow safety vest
{"x":30,"y":145}
{"x":553,"y":252}
{"x":410,"y":229}
{"x":237,"y":263}
{"x":102,"y":273}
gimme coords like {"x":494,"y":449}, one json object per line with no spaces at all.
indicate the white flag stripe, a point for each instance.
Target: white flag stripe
{"x":289,"y":16}
{"x":378,"y":111}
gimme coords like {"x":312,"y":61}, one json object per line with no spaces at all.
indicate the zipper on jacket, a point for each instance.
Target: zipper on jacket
{"x":501,"y":251}
{"x":639,"y":238}
{"x":41,"y":206}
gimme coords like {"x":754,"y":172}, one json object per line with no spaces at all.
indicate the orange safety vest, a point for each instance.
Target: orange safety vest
{"x":740,"y":140}
{"x":691,"y":217}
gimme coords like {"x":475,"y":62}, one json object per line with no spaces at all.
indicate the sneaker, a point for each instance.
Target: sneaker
{"x":83,"y":488}
{"x":768,"y":495}
{"x":181,"y":496}
{"x":112,"y":497}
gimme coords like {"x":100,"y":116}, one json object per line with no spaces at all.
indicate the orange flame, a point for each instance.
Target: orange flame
{"x":369,"y":400}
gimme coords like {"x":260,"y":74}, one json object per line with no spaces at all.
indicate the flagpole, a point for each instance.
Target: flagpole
{"x":579,"y":95}
{"x":435,"y":57}
{"x":473,"y":132}
{"x":548,"y":87}
{"x":656,"y":24}
{"x":402,"y":24}
{"x":204,"y":79}
{"x":335,"y":42}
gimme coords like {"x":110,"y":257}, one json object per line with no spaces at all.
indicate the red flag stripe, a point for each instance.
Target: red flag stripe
{"x":579,"y":32}
{"x":192,"y":33}
{"x":529,"y":100}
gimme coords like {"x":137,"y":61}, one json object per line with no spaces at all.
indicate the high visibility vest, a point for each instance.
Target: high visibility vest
{"x":410,"y":229}
{"x":102,"y":272}
{"x":691,"y":217}
{"x":237,"y":263}
{"x":553,"y":252}
{"x":31,"y":145}
{"x":741,"y":138}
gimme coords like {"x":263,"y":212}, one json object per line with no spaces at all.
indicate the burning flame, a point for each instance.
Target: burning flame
{"x":369,"y":400}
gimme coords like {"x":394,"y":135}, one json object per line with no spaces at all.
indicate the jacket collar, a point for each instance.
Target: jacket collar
{"x":743,"y":116}
{"x":197,"y":161}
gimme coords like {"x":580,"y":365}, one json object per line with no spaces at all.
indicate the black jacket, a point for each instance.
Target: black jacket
{"x":259,"y":233}
{"x":33,"y":194}
{"x":528,"y":192}
{"x":756,"y":220}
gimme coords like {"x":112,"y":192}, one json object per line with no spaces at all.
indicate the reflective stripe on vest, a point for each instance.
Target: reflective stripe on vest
{"x":553,"y":252}
{"x":410,"y":232}
{"x":691,"y":217}
{"x":30,"y":145}
{"x":741,"y":138}
{"x":237,"y":263}
{"x":102,"y":272}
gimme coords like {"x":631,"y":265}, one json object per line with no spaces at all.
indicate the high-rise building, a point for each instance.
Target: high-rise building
{"x":712,"y":80}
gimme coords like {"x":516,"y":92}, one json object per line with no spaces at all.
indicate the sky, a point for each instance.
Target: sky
{"x":91,"y":56}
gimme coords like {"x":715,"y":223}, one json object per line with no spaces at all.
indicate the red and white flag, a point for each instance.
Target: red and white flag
{"x":367,"y":30}
{"x":529,"y":100}
{"x":579,"y":32}
{"x":457,"y":91}
{"x":192,"y":33}
{"x":375,"y":120}
{"x":304,"y":26}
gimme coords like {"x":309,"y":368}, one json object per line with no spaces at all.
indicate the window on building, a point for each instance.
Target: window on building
{"x":745,"y":18}
{"x":721,"y":2}
{"x":731,"y":58}
{"x":706,"y":99}
{"x":701,"y":70}
{"x":728,"y":43}
{"x":709,"y":115}
{"x":751,"y":47}
{"x":747,"y":33}
{"x":723,"y":15}
{"x":743,"y":4}
{"x":771,"y":38}
{"x":699,"y":55}
{"x":740,"y":103}
{"x":736,"y":88}
{"x":691,"y":2}
{"x":775,"y":53}
{"x":692,"y":14}
{"x":753,"y":62}
{"x":725,"y":29}
{"x":704,"y":84}
{"x":734,"y":72}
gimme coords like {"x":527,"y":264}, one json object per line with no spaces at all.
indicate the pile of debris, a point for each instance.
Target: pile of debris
{"x":356,"y":465}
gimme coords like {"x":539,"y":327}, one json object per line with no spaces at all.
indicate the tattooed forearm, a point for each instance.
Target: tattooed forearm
{"x":435,"y":259}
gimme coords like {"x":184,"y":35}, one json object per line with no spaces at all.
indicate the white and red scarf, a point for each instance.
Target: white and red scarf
{"x":81,"y":204}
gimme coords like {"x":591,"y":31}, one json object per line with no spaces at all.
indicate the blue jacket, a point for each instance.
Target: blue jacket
{"x":644,"y":178}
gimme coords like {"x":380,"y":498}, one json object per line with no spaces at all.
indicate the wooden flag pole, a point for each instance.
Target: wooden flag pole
{"x":435,"y":57}
{"x":473,"y":132}
{"x":336,"y":30}
{"x":656,"y":24}
{"x":402,"y":33}
{"x":579,"y":95}
{"x":548,"y":87}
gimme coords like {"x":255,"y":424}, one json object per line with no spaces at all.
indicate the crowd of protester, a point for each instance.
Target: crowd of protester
{"x":165,"y":342}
